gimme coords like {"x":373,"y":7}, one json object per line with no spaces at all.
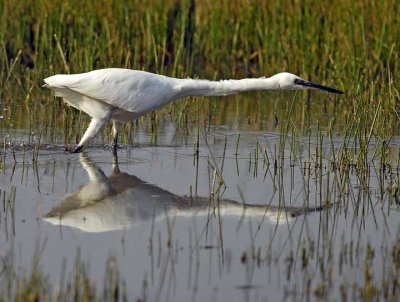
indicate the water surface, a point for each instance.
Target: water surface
{"x":231,"y":224}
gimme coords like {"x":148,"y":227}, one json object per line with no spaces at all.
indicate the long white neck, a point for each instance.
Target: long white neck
{"x":190,"y":87}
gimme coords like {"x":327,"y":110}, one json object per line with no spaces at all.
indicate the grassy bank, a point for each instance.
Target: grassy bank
{"x":353,"y":46}
{"x":349,"y":45}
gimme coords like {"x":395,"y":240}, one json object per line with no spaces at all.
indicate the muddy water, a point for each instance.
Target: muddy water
{"x":279,"y":229}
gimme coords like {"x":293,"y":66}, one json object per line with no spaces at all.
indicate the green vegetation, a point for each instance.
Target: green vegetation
{"x":37,"y":286}
{"x":353,"y":46}
{"x":349,"y":45}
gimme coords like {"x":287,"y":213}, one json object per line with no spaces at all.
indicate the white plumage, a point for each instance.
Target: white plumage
{"x":121,"y":95}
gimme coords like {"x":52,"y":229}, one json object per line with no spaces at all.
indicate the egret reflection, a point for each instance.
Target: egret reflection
{"x":121,"y":200}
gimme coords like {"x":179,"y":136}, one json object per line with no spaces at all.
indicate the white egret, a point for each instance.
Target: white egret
{"x":121,"y":95}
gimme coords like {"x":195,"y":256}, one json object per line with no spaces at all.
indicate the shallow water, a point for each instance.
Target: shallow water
{"x":286,"y":228}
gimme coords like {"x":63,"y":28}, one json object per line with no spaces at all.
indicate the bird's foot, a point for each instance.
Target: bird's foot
{"x":114,"y":146}
{"x":78,"y":149}
{"x":114,"y":149}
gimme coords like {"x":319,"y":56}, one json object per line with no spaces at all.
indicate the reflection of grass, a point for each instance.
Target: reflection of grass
{"x":7,"y":216}
{"x":337,"y":143}
{"x":313,"y":264}
{"x":77,"y":285}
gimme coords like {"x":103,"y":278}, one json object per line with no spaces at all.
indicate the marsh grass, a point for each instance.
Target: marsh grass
{"x":75,"y":285}
{"x":336,"y":142}
{"x":205,"y":39}
{"x":314,"y":259}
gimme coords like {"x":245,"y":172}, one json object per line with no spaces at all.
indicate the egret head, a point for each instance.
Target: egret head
{"x":289,"y":81}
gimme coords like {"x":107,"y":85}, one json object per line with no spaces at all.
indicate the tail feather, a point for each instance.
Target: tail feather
{"x":61,"y":80}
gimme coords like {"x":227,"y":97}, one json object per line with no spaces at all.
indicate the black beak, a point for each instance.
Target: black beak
{"x":316,"y":86}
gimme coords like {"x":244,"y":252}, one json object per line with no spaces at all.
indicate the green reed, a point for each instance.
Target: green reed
{"x":205,"y":39}
{"x":349,"y":45}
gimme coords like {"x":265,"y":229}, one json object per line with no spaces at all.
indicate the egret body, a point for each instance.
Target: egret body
{"x":121,"y":95}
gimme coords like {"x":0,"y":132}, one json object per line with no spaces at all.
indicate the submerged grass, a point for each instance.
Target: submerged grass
{"x":309,"y":271}
{"x":75,"y":285}
{"x":349,"y":45}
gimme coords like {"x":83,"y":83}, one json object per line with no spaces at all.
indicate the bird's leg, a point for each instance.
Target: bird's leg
{"x":116,"y":126}
{"x":94,"y":127}
{"x":115,"y":165}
